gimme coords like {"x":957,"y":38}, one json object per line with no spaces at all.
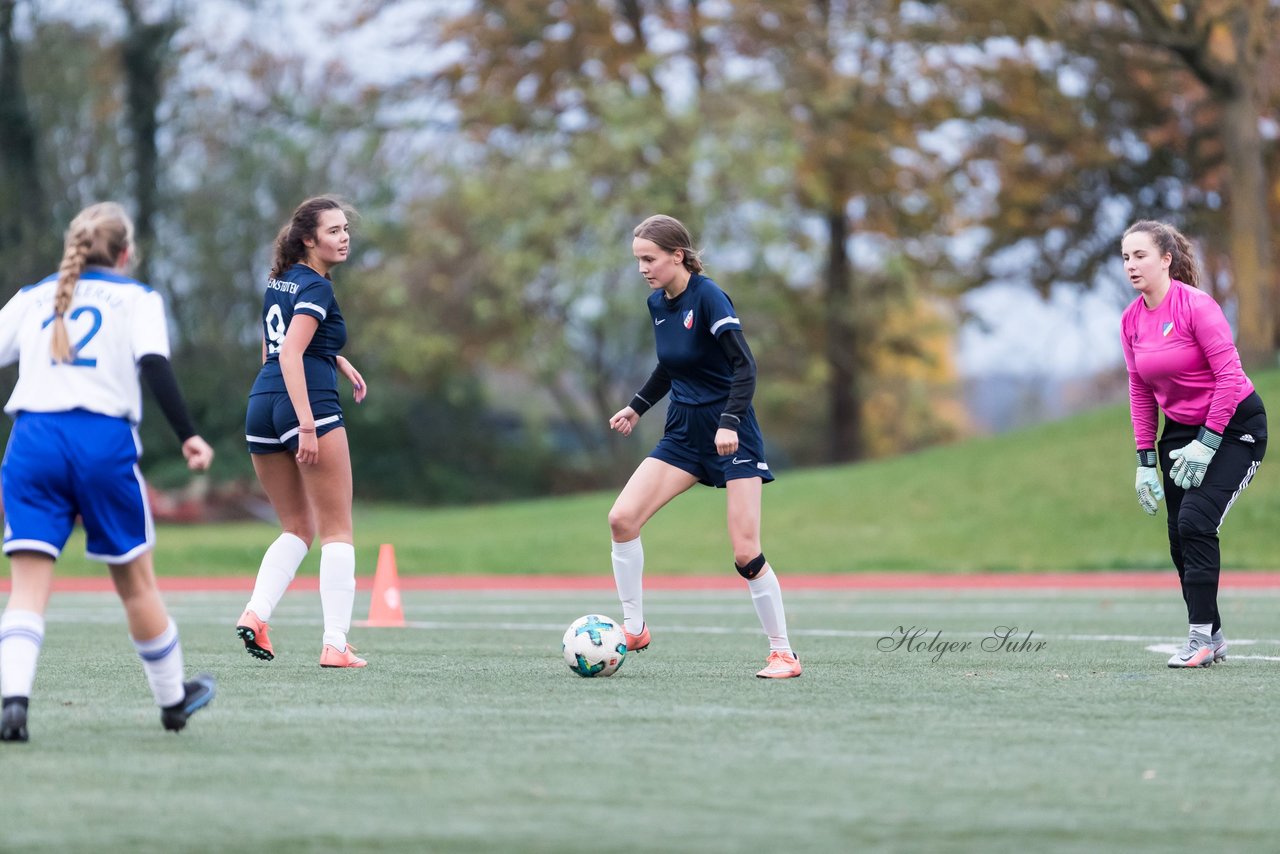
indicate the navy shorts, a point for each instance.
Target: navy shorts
{"x":60,"y":465}
{"x":271,"y":425}
{"x":689,"y":443}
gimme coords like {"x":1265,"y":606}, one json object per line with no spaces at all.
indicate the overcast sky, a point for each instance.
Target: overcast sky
{"x":1074,"y":333}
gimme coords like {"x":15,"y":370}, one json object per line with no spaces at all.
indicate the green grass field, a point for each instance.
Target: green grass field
{"x":1056,"y":497}
{"x":467,"y":733}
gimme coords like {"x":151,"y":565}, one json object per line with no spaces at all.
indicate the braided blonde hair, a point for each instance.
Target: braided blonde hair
{"x":98,"y":235}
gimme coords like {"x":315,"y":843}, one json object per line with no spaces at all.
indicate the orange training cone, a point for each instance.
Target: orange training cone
{"x":385,"y":608}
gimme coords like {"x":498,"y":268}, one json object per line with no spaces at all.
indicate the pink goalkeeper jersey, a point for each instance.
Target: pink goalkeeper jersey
{"x":1181,"y":358}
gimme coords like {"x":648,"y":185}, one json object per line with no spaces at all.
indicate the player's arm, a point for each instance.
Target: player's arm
{"x":302,"y":328}
{"x":358,"y":387}
{"x":653,"y":390}
{"x":157,"y":373}
{"x":11,"y":318}
{"x":743,"y":385}
{"x":741,"y":388}
{"x":1212,"y":332}
{"x":149,"y":340}
{"x":1144,"y":414}
{"x":1143,"y":411}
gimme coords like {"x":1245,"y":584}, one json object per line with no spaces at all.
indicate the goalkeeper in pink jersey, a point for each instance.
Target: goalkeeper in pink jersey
{"x":1182,"y":362}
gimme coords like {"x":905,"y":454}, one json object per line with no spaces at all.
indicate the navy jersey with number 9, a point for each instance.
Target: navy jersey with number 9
{"x":301,"y":290}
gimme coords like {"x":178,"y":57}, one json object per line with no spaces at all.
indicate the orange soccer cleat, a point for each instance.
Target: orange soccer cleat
{"x":331,"y":656}
{"x":782,"y":664}
{"x":635,"y":643}
{"x":253,"y":632}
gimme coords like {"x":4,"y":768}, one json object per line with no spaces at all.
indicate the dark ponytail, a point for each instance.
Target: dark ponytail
{"x":290,"y":245}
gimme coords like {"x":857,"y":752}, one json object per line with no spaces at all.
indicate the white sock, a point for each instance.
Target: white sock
{"x":21,"y":634}
{"x":162,"y":662}
{"x":279,"y":565}
{"x":628,"y":573}
{"x":766,"y":595}
{"x":337,"y":591}
{"x":1205,"y":629}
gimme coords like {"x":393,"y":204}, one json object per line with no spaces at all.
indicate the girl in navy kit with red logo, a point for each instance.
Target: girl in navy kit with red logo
{"x":711,"y":435}
{"x":1182,"y":362}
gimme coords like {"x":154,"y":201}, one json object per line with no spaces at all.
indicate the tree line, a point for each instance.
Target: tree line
{"x":852,"y":167}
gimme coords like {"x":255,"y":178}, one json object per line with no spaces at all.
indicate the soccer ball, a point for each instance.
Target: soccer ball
{"x":594,"y":646}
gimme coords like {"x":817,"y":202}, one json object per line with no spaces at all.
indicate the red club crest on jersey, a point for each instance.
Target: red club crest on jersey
{"x":688,"y":320}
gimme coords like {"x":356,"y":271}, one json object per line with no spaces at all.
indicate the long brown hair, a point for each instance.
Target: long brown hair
{"x":1171,"y":242}
{"x":98,"y":235}
{"x":670,"y":234}
{"x":290,"y":245}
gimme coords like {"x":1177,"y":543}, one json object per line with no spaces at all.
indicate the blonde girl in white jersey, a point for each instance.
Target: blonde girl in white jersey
{"x":81,"y":337}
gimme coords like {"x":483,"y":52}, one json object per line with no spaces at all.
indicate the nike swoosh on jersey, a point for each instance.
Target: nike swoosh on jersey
{"x":657,"y":322}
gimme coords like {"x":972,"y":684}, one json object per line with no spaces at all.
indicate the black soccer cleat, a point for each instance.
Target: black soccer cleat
{"x":13,"y":720}
{"x":199,"y":692}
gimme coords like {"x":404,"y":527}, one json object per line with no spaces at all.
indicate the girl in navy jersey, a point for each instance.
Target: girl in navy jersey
{"x":1182,"y":362}
{"x":295,"y":430}
{"x":81,"y":338}
{"x":711,"y":434}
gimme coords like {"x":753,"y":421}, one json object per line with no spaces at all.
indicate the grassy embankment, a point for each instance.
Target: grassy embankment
{"x":1055,"y":497}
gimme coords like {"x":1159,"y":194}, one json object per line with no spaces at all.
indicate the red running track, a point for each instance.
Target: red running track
{"x":890,"y":581}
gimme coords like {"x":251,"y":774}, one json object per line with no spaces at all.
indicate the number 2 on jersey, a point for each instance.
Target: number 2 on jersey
{"x":78,"y":361}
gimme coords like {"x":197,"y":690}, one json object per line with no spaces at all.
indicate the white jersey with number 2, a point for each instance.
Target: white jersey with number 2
{"x":113,"y":322}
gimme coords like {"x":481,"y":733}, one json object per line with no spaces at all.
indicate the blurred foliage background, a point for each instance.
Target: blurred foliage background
{"x":851,"y":168}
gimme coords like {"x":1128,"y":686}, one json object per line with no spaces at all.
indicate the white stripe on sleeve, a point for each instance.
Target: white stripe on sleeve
{"x":715,"y":327}
{"x":310,"y":306}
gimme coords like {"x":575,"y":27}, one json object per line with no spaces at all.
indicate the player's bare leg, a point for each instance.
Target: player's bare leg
{"x":155,"y":637}
{"x":652,"y":485}
{"x":744,"y":533}
{"x":328,"y":488}
{"x":279,"y":476}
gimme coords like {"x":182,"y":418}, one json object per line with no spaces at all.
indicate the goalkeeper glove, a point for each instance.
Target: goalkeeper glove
{"x":1192,"y":460}
{"x":1150,"y":491}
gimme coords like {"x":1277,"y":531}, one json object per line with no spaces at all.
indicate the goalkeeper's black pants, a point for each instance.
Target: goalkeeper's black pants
{"x":1196,"y":514}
